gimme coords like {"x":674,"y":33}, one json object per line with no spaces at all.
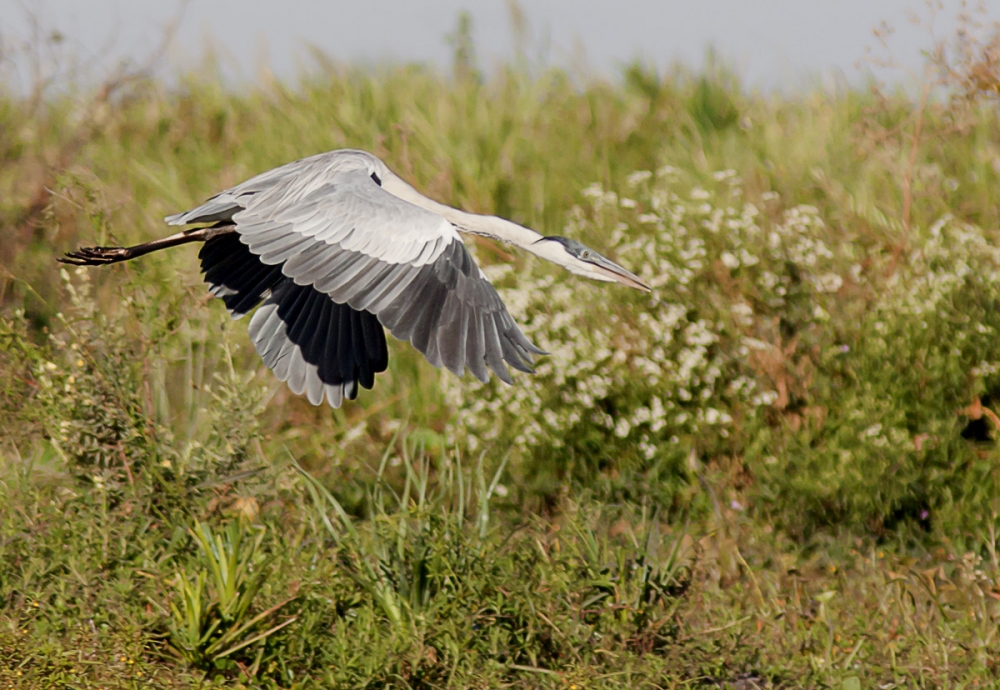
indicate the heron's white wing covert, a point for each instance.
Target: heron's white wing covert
{"x":338,"y":233}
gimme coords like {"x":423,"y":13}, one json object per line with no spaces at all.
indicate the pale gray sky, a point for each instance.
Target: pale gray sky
{"x":773,"y":43}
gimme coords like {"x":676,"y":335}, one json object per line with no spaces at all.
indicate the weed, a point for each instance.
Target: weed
{"x":212,"y":614}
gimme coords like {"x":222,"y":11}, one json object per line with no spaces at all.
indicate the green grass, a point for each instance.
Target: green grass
{"x":771,"y":472}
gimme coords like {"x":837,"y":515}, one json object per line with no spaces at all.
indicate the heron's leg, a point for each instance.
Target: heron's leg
{"x":98,"y":256}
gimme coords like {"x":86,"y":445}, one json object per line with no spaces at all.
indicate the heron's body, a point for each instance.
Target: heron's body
{"x":337,"y":247}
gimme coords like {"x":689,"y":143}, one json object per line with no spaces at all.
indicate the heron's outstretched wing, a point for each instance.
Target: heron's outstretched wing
{"x":318,"y":346}
{"x":339,"y":233}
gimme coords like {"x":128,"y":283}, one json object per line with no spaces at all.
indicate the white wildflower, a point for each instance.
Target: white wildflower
{"x":722,"y":175}
{"x":764,"y":398}
{"x":355,"y":432}
{"x":638,"y":177}
{"x":743,"y":313}
{"x":622,"y":428}
{"x":755,"y":344}
{"x":729,"y":260}
{"x":828,"y":282}
{"x":714,"y":416}
{"x":768,"y":280}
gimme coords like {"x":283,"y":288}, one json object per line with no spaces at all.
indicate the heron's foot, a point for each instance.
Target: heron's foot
{"x":96,"y":256}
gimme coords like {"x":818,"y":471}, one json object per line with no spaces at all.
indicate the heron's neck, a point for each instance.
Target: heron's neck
{"x":470,"y":223}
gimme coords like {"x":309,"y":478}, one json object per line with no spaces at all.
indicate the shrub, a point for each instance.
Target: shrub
{"x":828,"y":370}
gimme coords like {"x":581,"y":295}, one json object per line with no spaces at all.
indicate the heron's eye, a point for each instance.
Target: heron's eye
{"x":585,"y":255}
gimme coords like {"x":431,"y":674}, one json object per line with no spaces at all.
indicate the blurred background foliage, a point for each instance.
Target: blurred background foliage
{"x":716,"y":483}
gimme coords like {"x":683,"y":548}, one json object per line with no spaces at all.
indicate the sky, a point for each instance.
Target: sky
{"x":773,"y":44}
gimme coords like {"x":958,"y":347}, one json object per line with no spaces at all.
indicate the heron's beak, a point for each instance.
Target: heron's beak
{"x":606,"y":269}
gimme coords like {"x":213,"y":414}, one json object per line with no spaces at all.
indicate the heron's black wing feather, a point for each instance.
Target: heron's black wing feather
{"x":235,"y":274}
{"x":316,"y":345}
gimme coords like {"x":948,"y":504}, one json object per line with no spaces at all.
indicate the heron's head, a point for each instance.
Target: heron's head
{"x":584,"y":261}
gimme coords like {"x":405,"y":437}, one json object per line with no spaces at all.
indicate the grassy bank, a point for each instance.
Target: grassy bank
{"x":778,"y":470}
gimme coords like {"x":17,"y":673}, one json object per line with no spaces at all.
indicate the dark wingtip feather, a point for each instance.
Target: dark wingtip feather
{"x":339,"y":346}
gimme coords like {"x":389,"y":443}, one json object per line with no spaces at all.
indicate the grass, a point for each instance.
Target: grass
{"x":779,"y":470}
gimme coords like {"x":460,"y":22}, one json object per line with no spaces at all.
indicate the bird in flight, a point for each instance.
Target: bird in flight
{"x":339,"y":248}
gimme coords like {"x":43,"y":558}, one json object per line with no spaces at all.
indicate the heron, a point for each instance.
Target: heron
{"x":334,"y":249}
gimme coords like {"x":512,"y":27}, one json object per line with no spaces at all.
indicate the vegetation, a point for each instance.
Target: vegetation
{"x":777,"y":470}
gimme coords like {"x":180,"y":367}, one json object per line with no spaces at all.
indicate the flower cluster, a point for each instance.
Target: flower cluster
{"x":829,"y":361}
{"x":641,"y":373}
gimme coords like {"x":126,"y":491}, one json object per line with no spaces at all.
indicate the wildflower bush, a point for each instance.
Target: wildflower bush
{"x":87,"y":394}
{"x":886,"y":436}
{"x":770,"y":336}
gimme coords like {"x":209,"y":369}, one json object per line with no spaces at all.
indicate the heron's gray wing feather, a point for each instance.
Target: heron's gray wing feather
{"x":305,"y":172}
{"x":475,"y":348}
{"x":368,"y":249}
{"x":219,"y":207}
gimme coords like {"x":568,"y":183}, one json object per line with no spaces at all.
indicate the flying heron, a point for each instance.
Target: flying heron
{"x":338,"y":247}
